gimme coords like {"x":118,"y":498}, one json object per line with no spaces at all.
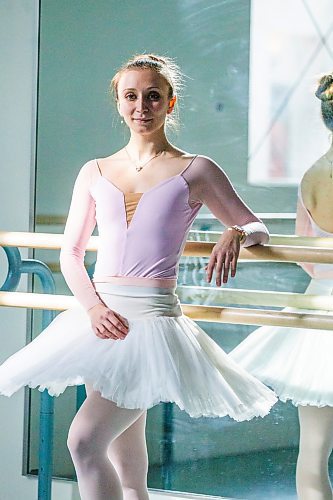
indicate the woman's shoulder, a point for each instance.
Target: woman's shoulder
{"x":87,"y":174}
{"x":205,"y":165}
{"x":319,"y":168}
{"x":88,"y":169}
{"x":317,"y":173}
{"x":92,"y":166}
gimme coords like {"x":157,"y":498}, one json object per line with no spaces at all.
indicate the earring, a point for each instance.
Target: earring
{"x":122,"y":120}
{"x":172,"y":102}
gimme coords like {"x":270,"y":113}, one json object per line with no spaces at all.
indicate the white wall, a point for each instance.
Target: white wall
{"x":18,"y":62}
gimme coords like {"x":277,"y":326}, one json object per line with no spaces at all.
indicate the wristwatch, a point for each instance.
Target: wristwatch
{"x":241,"y":231}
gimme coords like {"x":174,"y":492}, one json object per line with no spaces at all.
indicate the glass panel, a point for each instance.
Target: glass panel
{"x":76,"y":122}
{"x":283,"y":142}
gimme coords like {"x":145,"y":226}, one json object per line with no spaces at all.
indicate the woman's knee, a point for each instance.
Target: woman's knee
{"x":314,"y":451}
{"x":80,"y":443}
{"x":316,"y":431}
{"x":132,"y":473}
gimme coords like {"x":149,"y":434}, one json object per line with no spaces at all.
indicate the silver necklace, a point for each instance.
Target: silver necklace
{"x":140,"y":165}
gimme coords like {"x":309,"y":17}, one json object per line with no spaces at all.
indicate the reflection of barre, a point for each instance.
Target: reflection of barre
{"x":257,"y":297}
{"x":271,"y":253}
{"x":258,"y":317}
{"x":278,"y":239}
{"x":198,"y":313}
{"x":193,"y":248}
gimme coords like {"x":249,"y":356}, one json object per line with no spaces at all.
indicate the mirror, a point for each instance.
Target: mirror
{"x":249,"y":93}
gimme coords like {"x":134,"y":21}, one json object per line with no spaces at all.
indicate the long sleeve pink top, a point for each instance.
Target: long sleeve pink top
{"x":306,"y":226}
{"x":152,"y":244}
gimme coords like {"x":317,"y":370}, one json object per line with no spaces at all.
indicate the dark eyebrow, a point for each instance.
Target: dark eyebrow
{"x":149,"y":88}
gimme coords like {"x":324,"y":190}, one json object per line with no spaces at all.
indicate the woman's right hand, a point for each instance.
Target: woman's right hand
{"x":108,"y":324}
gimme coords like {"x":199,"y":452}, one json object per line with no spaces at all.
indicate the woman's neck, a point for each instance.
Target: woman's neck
{"x":329,"y":154}
{"x":141,"y":147}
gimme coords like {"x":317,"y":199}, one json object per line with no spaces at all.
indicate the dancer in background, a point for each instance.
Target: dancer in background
{"x":297,"y":363}
{"x":129,"y":341}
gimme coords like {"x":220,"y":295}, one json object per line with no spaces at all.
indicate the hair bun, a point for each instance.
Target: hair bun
{"x":150,"y":57}
{"x":324,"y":91}
{"x":156,"y":58}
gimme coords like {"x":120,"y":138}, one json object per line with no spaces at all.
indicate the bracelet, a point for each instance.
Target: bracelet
{"x":240,"y":230}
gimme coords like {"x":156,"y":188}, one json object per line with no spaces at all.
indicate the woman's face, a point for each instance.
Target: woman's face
{"x":143,"y":100}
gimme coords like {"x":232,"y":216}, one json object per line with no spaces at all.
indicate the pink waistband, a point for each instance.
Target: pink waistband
{"x":137,"y":281}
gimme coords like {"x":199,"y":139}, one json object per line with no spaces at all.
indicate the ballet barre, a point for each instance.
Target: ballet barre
{"x":239,"y":296}
{"x":201,"y":293}
{"x":270,"y":253}
{"x":291,"y":239}
{"x":274,"y":239}
{"x":241,"y":316}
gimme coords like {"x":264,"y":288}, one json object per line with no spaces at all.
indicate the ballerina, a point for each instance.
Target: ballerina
{"x":128,"y":339}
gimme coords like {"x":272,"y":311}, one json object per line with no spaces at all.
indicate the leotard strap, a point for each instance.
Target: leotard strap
{"x":99,"y":168}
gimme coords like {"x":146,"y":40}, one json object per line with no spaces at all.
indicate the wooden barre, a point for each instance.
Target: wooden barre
{"x":196,"y":312}
{"x":238,"y":296}
{"x":274,"y":239}
{"x":242,"y":316}
{"x":271,"y":253}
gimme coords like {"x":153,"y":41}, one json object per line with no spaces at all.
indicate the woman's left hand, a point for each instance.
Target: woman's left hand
{"x":224,"y":257}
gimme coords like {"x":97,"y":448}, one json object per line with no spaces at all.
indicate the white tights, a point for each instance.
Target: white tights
{"x":108,"y":449}
{"x":316,"y":442}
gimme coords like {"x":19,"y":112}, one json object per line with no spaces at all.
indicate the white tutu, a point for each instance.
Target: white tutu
{"x":295,"y":362}
{"x":165,"y":357}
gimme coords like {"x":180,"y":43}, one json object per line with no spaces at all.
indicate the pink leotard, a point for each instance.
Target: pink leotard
{"x":306,"y":226}
{"x":149,"y":248}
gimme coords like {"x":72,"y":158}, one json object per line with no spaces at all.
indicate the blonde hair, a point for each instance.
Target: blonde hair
{"x":166,"y":67}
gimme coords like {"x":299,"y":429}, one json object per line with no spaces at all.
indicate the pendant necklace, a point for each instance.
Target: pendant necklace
{"x":140,"y":165}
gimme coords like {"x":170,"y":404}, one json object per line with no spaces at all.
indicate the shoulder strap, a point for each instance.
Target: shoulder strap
{"x":99,"y":169}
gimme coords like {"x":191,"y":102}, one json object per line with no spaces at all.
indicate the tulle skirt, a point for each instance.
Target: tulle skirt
{"x":164,"y":357}
{"x":297,"y":363}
